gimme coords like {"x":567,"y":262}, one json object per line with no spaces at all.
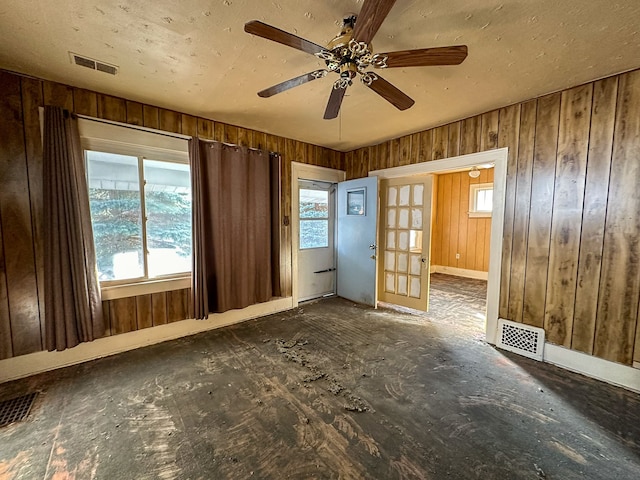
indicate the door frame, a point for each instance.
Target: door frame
{"x":304,"y":172}
{"x":499,"y":158}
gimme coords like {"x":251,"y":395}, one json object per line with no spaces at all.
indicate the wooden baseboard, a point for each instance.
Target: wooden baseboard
{"x":27,"y":365}
{"x":460,"y":272}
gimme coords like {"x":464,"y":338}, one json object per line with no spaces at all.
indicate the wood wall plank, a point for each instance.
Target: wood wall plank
{"x":189,"y":125}
{"x":544,"y":172}
{"x":405,"y":151}
{"x":440,"y":143}
{"x":571,"y":169}
{"x":135,"y":115}
{"x":170,"y":121}
{"x":593,"y":216}
{"x":112,"y":108}
{"x":453,"y":143}
{"x":520,"y":233}
{"x":159,"y":308}
{"x":85,"y":102}
{"x":205,"y":129}
{"x":231,"y":134}
{"x":620,"y":274}
{"x":177,"y":305}
{"x":106,"y":318}
{"x":15,"y":213}
{"x":151,"y":116}
{"x":508,"y":134}
{"x":144,"y":311}
{"x":32,"y":100}
{"x":470,"y":136}
{"x":454,"y":232}
{"x":122,"y":315}
{"x":58,"y":95}
{"x":6,"y":344}
{"x":489,"y":139}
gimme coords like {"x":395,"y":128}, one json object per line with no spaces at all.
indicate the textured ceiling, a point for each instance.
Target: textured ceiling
{"x":193,"y":56}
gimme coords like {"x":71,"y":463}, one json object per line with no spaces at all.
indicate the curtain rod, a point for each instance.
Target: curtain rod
{"x":136,"y":127}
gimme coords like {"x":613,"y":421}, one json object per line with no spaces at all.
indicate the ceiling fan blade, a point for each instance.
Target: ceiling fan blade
{"x":260,"y":29}
{"x":370,"y":18}
{"x":292,"y":82}
{"x":423,"y":57}
{"x":335,"y":101}
{"x":390,"y":93}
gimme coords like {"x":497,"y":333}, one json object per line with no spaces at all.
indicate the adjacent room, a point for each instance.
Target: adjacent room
{"x":338,"y":239}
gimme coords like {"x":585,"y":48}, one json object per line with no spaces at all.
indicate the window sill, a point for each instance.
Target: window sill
{"x":145,"y":288}
{"x":479,"y":214}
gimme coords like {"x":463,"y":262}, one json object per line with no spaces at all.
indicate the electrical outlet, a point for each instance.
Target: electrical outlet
{"x":457,"y":256}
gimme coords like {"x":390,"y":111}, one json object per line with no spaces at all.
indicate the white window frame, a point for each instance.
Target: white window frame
{"x":125,"y":140}
{"x":474,"y":188}
{"x":314,"y":219}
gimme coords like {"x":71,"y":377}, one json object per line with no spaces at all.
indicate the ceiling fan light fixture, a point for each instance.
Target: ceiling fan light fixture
{"x":474,"y":172}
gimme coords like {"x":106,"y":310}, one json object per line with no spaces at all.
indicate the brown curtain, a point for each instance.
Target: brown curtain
{"x":73,"y":307}
{"x":236,"y":239}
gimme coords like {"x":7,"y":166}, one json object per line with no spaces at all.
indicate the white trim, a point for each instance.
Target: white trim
{"x":305,"y":172}
{"x":460,"y":272}
{"x":498,"y":157}
{"x":146,"y":287}
{"x":31,"y":364}
{"x":594,"y":367}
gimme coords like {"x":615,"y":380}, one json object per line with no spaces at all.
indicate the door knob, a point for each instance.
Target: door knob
{"x":372,"y":246}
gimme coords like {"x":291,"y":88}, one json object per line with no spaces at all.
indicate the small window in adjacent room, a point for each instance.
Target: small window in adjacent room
{"x":480,"y":200}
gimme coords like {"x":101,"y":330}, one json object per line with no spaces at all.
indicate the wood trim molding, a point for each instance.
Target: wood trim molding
{"x":31,"y":364}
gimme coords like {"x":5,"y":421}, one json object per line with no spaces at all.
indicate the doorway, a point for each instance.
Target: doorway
{"x":316,"y":239}
{"x":306,"y":176}
{"x":498,"y":158}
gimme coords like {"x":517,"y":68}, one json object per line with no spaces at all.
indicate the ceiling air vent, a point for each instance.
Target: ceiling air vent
{"x":93,"y":64}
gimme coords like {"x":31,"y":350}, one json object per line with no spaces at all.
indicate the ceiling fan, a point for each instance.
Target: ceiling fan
{"x":350,"y":54}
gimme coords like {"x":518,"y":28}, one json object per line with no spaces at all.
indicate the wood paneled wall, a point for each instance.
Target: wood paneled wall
{"x":571,"y":251}
{"x":454,"y":231}
{"x":21,"y":254}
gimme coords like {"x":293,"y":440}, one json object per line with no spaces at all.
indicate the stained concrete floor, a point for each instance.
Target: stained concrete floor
{"x":330,"y":390}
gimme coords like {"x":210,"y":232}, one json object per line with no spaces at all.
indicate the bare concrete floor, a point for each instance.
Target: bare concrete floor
{"x":329,"y":390}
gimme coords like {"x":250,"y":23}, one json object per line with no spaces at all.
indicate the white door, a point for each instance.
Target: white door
{"x":316,"y":254}
{"x":405,"y":241}
{"x":356,"y":252}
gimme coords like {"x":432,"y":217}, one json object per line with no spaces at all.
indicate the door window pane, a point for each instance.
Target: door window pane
{"x":314,"y":203}
{"x":168,"y":206}
{"x":116,"y":215}
{"x":314,"y":218}
{"x":314,"y":233}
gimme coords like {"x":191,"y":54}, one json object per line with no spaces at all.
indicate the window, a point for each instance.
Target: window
{"x":140,"y":199}
{"x":481,"y":200}
{"x":314,"y":218}
{"x":141,"y":215}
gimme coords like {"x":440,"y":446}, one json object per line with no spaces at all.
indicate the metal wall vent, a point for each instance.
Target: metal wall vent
{"x":522,"y":339}
{"x":16,"y":409}
{"x":93,"y":64}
